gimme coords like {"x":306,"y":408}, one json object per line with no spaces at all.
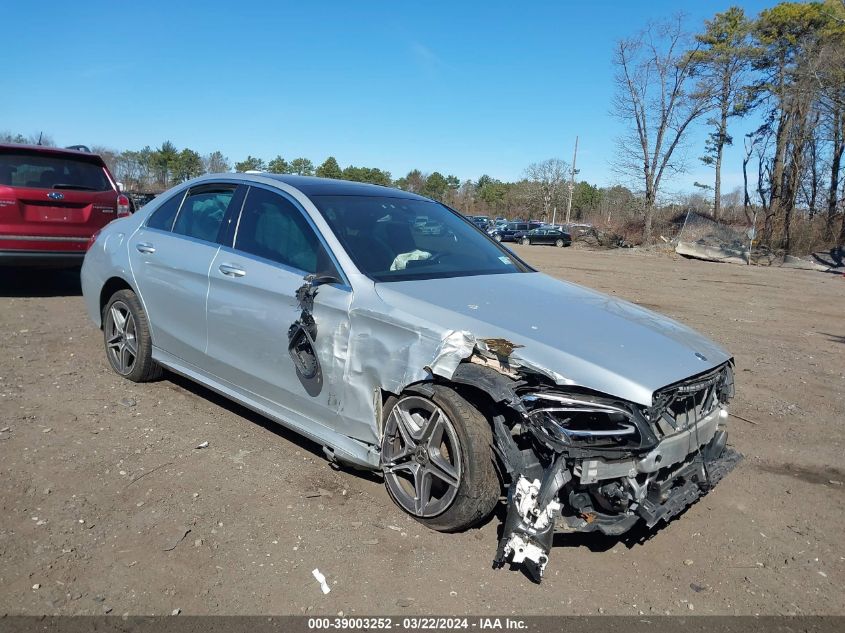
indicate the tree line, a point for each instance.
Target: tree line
{"x":538,"y":195}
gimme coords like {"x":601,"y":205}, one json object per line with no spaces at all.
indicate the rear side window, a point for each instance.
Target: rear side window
{"x":42,"y":171}
{"x":272,"y":227}
{"x":162,"y":218}
{"x":201,"y":215}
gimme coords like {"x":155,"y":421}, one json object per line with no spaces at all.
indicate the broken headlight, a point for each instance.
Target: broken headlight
{"x":566,"y":421}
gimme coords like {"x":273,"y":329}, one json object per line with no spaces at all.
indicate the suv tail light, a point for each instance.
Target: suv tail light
{"x":123,"y":208}
{"x":91,"y":240}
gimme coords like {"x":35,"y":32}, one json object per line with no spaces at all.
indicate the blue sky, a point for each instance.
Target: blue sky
{"x":461,"y":87}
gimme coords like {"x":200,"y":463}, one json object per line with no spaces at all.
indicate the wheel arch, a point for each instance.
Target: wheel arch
{"x":112,"y":285}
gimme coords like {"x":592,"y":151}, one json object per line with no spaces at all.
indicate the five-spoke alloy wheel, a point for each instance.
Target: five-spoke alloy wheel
{"x":437,"y":459}
{"x":422,"y":468}
{"x":126,"y":334}
{"x":121,"y":338}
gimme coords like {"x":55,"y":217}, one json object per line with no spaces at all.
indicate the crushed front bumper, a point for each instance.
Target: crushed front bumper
{"x":665,"y":496}
{"x":612,"y":495}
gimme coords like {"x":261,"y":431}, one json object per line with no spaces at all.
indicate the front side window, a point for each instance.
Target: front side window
{"x":201,"y":215}
{"x":397,"y":239}
{"x":271,"y":227}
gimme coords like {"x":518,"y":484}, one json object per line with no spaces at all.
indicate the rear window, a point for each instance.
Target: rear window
{"x":42,"y":171}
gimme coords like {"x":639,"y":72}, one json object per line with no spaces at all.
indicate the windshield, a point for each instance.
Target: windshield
{"x":398,"y":239}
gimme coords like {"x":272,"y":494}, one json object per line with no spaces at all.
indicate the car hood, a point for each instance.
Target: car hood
{"x":573,"y":334}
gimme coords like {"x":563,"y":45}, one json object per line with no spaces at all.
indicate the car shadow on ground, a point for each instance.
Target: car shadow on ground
{"x":185,"y":384}
{"x":40,"y":282}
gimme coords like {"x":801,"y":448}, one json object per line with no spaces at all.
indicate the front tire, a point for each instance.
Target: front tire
{"x":498,"y":238}
{"x":126,"y":335}
{"x":438,"y":460}
{"x":525,"y":241}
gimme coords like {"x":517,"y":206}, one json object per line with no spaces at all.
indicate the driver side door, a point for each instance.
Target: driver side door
{"x":253,"y":306}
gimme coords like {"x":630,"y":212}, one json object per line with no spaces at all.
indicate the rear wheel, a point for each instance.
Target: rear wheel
{"x":437,"y":459}
{"x":559,"y":243}
{"x":525,"y":241}
{"x":126,"y":334}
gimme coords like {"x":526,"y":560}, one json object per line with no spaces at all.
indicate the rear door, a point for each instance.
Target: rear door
{"x":170,"y":257}
{"x":52,"y":200}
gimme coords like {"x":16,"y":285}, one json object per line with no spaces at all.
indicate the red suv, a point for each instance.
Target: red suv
{"x":52,"y":201}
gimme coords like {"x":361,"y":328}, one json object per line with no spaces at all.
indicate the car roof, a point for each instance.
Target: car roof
{"x":312,"y":186}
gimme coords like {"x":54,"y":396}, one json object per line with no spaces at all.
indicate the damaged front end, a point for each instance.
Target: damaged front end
{"x":582,"y":462}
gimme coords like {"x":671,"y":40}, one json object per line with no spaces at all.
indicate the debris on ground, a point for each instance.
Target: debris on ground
{"x":320,"y":578}
{"x":202,"y":445}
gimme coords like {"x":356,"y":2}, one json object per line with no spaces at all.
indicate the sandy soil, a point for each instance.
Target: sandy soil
{"x":107,"y":507}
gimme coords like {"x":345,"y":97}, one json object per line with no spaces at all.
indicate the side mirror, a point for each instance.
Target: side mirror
{"x":322,"y":279}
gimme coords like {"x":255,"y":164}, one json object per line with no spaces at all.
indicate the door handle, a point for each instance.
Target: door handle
{"x":145,"y":247}
{"x":231,"y":270}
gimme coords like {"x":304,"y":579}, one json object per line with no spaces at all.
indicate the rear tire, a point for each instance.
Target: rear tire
{"x":559,"y":243}
{"x":463,"y":452}
{"x":126,"y":336}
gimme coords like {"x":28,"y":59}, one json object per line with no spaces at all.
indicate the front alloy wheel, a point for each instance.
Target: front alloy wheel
{"x":422,"y":465}
{"x":525,"y":241}
{"x":437,"y":459}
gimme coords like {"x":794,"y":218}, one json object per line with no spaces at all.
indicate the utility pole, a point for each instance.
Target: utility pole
{"x":572,"y":182}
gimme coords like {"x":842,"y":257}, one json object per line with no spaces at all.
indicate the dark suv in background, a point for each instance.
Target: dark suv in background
{"x":52,"y":201}
{"x":512,"y":231}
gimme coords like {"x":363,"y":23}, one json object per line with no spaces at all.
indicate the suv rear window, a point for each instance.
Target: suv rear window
{"x":42,"y":171}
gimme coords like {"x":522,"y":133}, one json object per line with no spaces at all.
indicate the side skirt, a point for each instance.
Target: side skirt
{"x":344,"y":448}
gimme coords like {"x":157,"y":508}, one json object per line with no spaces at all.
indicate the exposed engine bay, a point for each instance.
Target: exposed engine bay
{"x":582,"y":462}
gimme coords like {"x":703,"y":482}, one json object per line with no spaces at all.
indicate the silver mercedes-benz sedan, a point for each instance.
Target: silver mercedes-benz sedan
{"x":439,"y":358}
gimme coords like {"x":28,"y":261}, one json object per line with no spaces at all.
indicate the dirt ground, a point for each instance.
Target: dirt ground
{"x":108,"y":507}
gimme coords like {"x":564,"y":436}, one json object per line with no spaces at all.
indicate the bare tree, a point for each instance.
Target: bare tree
{"x":658,"y":98}
{"x":546,"y":179}
{"x":216,"y":163}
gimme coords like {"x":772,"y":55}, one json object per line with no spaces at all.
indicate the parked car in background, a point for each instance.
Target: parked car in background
{"x":512,"y":231}
{"x":52,"y":202}
{"x":444,"y":361}
{"x":546,"y":235}
{"x":481,"y":221}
